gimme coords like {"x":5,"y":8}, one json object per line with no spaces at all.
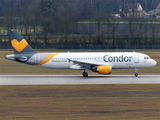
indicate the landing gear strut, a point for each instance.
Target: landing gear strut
{"x":85,"y":74}
{"x":135,"y":72}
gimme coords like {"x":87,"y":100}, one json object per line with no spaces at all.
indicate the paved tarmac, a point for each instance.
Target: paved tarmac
{"x":77,"y":80}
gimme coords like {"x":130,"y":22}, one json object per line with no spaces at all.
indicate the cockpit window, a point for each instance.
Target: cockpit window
{"x":146,"y":58}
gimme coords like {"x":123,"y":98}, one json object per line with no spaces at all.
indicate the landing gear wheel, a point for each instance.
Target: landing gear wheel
{"x":85,"y":74}
{"x":136,"y":74}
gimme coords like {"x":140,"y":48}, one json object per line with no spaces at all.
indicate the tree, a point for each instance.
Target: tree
{"x":153,"y":28}
{"x":69,"y":16}
{"x":46,"y":16}
{"x":98,"y":19}
{"x":112,"y":27}
{"x":89,"y":26}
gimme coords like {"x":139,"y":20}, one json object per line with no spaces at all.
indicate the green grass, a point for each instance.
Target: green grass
{"x":11,"y":67}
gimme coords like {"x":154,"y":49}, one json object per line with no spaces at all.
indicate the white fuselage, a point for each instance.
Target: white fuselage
{"x":118,"y":60}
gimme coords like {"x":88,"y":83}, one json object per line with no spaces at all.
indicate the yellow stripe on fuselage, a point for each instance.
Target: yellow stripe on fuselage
{"x":49,"y":57}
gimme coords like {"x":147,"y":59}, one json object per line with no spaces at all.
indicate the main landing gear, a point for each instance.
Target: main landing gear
{"x":85,"y":74}
{"x":135,"y":72}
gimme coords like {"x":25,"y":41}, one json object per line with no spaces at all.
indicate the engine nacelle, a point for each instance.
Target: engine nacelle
{"x":104,"y":69}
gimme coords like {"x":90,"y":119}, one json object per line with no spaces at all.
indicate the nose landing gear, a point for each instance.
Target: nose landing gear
{"x":135,"y":73}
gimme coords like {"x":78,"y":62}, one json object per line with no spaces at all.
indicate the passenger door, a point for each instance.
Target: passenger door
{"x":136,"y":58}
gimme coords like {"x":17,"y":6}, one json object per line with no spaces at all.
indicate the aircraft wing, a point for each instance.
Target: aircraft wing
{"x":85,"y":64}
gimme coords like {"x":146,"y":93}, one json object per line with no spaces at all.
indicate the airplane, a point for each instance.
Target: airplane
{"x":100,"y":62}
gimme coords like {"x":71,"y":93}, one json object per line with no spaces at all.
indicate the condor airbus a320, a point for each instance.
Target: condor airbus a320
{"x":101,"y":62}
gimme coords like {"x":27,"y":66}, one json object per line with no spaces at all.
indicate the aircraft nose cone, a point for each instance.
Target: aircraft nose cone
{"x":155,"y":63}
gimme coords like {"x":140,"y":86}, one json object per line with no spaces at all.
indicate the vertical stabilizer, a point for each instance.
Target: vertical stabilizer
{"x":158,"y":7}
{"x":19,"y":44}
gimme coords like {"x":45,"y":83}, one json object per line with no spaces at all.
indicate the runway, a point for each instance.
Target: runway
{"x":77,"y":80}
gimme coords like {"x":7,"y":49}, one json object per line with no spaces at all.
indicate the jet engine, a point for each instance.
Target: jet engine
{"x":104,"y":69}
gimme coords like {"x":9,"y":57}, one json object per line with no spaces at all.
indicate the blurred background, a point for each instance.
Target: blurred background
{"x":82,"y":24}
